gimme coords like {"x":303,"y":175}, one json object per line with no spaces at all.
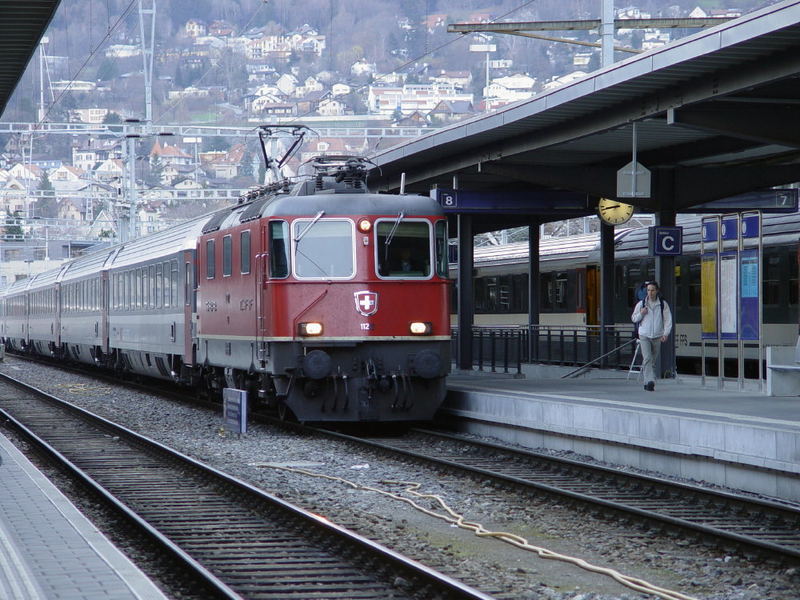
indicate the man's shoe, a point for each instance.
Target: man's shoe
{"x":650,"y":386}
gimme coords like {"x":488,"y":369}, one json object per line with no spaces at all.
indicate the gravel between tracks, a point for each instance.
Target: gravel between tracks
{"x":490,"y":565}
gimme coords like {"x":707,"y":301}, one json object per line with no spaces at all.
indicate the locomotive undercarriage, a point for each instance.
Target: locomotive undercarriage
{"x":380,"y":381}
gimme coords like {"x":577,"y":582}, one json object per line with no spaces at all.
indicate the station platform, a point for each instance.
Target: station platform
{"x":739,"y":439}
{"x":49,"y":550}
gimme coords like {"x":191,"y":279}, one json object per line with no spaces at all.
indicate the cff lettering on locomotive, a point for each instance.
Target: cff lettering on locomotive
{"x":324,"y":301}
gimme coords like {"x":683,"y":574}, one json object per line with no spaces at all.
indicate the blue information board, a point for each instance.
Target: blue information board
{"x":750,"y":226}
{"x":730,"y":228}
{"x":768,"y":201}
{"x":533,"y":202}
{"x":710,"y":230}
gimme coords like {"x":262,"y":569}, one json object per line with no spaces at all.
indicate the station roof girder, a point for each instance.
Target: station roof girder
{"x":22,"y":25}
{"x":715,"y":115}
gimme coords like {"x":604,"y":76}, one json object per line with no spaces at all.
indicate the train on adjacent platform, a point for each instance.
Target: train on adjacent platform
{"x":570,"y":284}
{"x":324,"y":301}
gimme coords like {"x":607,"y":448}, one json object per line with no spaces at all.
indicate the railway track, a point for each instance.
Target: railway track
{"x":746,"y":523}
{"x":235,"y":540}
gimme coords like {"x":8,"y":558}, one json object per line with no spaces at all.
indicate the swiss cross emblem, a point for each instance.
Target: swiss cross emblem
{"x":366,"y":302}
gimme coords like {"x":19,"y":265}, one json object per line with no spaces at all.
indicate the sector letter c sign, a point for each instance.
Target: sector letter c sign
{"x":666,"y":241}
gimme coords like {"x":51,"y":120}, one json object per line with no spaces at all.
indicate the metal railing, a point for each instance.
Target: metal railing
{"x":505,"y":349}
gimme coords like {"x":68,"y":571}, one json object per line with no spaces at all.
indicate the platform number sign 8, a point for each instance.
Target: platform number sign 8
{"x":449,"y":201}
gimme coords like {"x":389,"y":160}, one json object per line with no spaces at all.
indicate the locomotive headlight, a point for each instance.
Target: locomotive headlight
{"x":420,"y":328}
{"x":311,"y":328}
{"x":364,"y":225}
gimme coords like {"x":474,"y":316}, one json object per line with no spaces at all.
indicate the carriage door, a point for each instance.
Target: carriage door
{"x":262,"y":276}
{"x":186,"y":330}
{"x":105,"y":298}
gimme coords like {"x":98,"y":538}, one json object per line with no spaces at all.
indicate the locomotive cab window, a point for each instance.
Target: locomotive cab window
{"x":323,"y":249}
{"x":278,"y":249}
{"x":403,"y":248}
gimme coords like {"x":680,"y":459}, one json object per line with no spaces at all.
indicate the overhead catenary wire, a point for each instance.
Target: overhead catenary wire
{"x":454,"y":518}
{"x":86,"y":61}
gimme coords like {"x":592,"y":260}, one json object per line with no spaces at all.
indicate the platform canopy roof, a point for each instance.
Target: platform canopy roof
{"x":22,"y":25}
{"x":717,"y":113}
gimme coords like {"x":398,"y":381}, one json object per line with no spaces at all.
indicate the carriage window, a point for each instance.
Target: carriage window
{"x":791,"y":263}
{"x":492,"y":293}
{"x":441,"y":248}
{"x":227,"y":256}
{"x":174,"y":281}
{"x":244,"y":252}
{"x":323,"y":249}
{"x":650,"y":266}
{"x":403,"y":248}
{"x":772,"y":277}
{"x":126,"y":290}
{"x":139,"y":292}
{"x":278,"y":249}
{"x":148,"y":275}
{"x":167,"y":284}
{"x":634,"y":278}
{"x":159,"y":285}
{"x":695,"y":282}
{"x":187,"y":283}
{"x":545,"y":287}
{"x":557,"y":290}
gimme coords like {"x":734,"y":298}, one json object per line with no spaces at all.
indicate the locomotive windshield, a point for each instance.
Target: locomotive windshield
{"x":324,"y":250}
{"x":404,"y":248}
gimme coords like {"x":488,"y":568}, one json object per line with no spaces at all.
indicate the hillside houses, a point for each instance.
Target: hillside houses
{"x":256,"y":45}
{"x":87,"y":153}
{"x":169,"y":155}
{"x":512,"y":88}
{"x":411,"y":98}
{"x":213,"y":71}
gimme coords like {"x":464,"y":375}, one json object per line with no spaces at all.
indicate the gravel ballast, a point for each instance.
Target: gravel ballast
{"x":271,"y":459}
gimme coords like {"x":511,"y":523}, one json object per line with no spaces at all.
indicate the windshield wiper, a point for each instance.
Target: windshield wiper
{"x":309,"y":226}
{"x":394,"y":228}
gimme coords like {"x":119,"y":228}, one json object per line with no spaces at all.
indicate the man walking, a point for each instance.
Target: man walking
{"x":654,"y":320}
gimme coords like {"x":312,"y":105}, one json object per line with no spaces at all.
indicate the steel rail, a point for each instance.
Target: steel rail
{"x":132,"y":474}
{"x":702,"y":511}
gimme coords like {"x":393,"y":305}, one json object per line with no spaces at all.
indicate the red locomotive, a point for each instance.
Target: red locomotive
{"x":318,"y":297}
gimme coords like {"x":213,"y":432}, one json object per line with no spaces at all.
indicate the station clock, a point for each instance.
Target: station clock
{"x":614,"y":212}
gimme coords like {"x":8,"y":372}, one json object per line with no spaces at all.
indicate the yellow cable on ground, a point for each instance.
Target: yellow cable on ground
{"x":83,"y":388}
{"x":454,"y":518}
